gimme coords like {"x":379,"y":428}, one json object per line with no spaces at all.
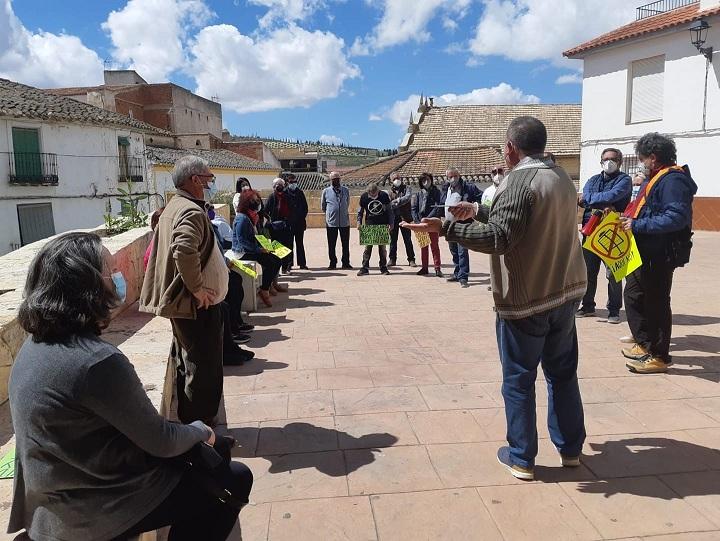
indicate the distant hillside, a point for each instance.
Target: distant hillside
{"x":317,"y":146}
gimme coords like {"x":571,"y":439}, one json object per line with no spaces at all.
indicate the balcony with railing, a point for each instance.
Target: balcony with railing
{"x":663,"y":6}
{"x":131,"y":169}
{"x":33,"y":169}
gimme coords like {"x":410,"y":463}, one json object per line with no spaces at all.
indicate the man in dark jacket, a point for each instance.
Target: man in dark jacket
{"x":660,"y":219}
{"x":610,"y":189}
{"x":298,"y":219}
{"x":425,"y":205}
{"x":454,"y":191}
{"x":400,"y":203}
{"x":375,"y":208}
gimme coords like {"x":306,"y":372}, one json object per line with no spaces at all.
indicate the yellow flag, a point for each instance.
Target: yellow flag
{"x":615,"y":246}
{"x":242,"y":267}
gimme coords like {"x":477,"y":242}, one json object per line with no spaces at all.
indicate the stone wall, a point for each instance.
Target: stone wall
{"x":127,"y":248}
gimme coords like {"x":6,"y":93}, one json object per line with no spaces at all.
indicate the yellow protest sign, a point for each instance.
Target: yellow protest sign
{"x":615,"y":246}
{"x":242,"y":267}
{"x":423,"y":238}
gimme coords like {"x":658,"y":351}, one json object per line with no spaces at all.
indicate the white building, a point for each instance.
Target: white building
{"x":62,"y":162}
{"x":227,"y":166}
{"x":647,"y":76}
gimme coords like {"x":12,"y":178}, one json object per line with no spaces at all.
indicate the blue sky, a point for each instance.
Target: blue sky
{"x":347,"y":70}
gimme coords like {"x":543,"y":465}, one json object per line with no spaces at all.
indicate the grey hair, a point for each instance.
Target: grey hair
{"x":452,"y":169}
{"x":373,"y":187}
{"x":186,"y":167}
{"x":528,"y":134}
{"x":278,"y":181}
{"x":334,"y":174}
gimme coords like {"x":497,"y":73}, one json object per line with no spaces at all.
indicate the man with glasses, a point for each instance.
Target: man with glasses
{"x":186,"y":280}
{"x":609,"y":189}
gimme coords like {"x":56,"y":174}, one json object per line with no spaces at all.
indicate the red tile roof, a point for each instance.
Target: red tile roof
{"x":642,"y":27}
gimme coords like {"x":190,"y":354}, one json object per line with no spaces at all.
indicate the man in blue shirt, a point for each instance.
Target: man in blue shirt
{"x":611,"y":188}
{"x":335,"y":203}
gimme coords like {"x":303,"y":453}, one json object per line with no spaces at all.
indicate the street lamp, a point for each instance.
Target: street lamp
{"x":698,"y":37}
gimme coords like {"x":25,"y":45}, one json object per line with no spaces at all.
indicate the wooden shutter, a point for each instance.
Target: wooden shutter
{"x":647,"y":89}
{"x":26,"y":151}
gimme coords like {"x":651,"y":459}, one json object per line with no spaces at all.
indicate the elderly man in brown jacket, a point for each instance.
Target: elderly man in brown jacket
{"x":185,"y":281}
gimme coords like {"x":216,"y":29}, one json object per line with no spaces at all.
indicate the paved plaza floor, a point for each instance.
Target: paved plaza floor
{"x":373,"y":411}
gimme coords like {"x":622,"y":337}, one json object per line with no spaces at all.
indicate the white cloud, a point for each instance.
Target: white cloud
{"x":331,"y":140}
{"x":374,"y":117}
{"x":288,"y":67}
{"x":150,"y":36}
{"x":569,"y":79}
{"x":404,"y":21}
{"x":287,"y":10}
{"x":42,"y":58}
{"x":529,"y":30}
{"x":502,"y":94}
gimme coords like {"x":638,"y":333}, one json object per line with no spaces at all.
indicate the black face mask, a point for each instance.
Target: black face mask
{"x":279,"y":188}
{"x":336,"y":183}
{"x":255,"y":205}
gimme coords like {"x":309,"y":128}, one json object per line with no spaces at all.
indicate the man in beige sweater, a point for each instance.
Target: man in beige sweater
{"x":538,"y":277}
{"x":185,"y":281}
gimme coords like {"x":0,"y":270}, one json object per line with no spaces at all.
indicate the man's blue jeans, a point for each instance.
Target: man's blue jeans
{"x":461,"y":259}
{"x":548,"y":339}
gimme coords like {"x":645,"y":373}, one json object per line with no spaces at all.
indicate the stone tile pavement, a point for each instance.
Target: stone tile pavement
{"x":373,"y":411}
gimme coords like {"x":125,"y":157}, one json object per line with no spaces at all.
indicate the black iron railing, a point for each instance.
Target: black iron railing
{"x":131,"y":169}
{"x":33,"y":168}
{"x":663,"y":6}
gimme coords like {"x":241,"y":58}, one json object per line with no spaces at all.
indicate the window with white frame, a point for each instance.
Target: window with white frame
{"x":646,"y":90}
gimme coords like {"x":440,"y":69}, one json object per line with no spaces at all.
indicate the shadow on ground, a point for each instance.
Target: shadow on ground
{"x":648,"y":456}
{"x":253,"y":367}
{"x":303,"y":445}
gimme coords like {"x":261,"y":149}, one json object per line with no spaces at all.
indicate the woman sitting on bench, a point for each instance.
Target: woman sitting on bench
{"x":94,"y":459}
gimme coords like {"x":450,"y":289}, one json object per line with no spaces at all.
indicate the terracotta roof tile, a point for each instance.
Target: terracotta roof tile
{"x":473,"y":163}
{"x":22,"y":101}
{"x":473,"y":126}
{"x":664,"y":21}
{"x":215,"y":158}
{"x":376,"y":172}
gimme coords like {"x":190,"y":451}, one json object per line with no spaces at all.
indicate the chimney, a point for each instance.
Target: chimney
{"x":412,"y":127}
{"x":431,"y":102}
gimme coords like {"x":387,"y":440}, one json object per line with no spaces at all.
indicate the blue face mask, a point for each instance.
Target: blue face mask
{"x":120,"y":286}
{"x":210,"y":191}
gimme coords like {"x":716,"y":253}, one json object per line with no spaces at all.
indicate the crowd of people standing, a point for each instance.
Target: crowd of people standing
{"x":125,"y":462}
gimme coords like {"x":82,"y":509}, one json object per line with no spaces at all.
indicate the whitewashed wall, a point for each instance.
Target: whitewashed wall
{"x":87,"y":164}
{"x":225,"y":179}
{"x":604,"y":100}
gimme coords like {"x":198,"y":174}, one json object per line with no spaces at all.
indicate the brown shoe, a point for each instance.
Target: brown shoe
{"x":265,"y":297}
{"x":280,"y":287}
{"x":273,"y":291}
{"x":636,"y":352}
{"x":648,"y":365}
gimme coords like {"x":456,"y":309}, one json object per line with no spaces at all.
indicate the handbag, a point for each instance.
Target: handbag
{"x":209,"y":467}
{"x":678,"y":247}
{"x":279,"y":226}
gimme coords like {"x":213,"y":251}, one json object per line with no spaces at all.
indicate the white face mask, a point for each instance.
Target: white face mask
{"x":609,"y":167}
{"x":397,"y":182}
{"x":497,"y":179}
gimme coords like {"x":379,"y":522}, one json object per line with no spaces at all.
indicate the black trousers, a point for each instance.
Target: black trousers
{"x":234,"y":299}
{"x":193,"y":514}
{"x":647,"y":306}
{"x":407,"y":239}
{"x":299,"y":250}
{"x":270,"y":267}
{"x":382,"y":252}
{"x":284,"y":237}
{"x":197,"y":353}
{"x":332,"y":235}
